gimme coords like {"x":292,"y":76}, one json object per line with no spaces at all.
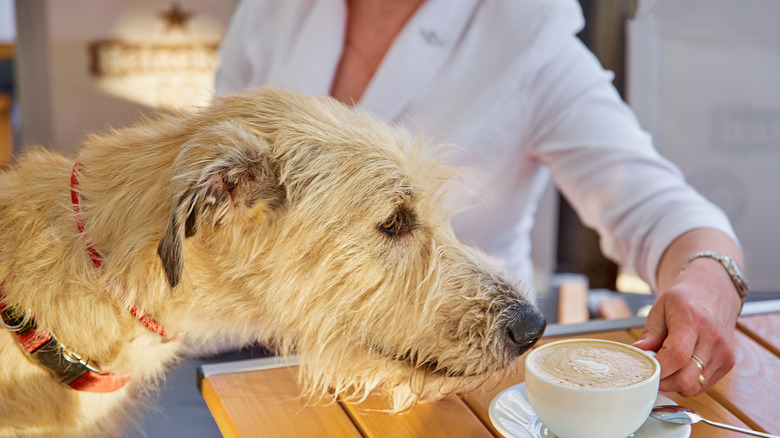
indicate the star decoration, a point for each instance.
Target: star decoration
{"x":175,"y":17}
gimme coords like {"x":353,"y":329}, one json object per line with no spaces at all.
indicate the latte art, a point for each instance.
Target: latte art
{"x":592,"y":365}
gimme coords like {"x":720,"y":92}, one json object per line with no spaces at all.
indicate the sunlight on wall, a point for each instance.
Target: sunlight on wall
{"x":631,"y":283}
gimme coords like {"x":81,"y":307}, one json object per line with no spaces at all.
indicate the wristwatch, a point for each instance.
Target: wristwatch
{"x":732,"y":268}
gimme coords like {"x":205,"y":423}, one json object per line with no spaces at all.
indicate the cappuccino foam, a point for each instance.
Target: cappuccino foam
{"x":592,"y":365}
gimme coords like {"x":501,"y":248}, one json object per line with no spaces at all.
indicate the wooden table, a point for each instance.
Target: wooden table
{"x":260,"y":398}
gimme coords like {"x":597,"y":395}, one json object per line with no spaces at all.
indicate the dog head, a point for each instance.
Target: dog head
{"x":323,"y":231}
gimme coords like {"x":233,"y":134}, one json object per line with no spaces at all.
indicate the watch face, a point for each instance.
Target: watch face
{"x":736,"y":275}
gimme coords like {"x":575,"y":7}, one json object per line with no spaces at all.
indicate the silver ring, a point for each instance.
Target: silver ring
{"x":69,"y":355}
{"x":77,"y":360}
{"x":16,"y":327}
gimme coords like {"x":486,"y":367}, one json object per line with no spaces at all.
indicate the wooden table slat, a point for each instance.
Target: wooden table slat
{"x":764,"y":329}
{"x":755,"y":382}
{"x":710,"y":409}
{"x":219,"y":410}
{"x":234,"y":404}
{"x":449,"y":417}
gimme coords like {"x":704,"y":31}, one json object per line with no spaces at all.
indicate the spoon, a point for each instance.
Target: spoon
{"x":682,"y":415}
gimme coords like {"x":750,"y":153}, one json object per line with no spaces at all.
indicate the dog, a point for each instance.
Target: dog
{"x":270,"y":216}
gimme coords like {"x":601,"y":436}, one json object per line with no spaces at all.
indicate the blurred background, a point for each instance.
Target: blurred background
{"x":702,"y":76}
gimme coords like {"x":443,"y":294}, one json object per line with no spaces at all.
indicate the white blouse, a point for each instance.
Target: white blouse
{"x":509,"y":84}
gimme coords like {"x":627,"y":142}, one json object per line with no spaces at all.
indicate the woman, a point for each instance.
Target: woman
{"x":508,"y":82}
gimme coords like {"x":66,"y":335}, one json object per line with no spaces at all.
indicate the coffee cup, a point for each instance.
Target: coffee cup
{"x":591,"y":388}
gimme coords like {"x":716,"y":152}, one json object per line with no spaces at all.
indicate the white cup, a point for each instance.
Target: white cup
{"x":591,"y":412}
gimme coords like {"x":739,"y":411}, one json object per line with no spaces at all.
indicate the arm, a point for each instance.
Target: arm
{"x":647,"y":216}
{"x":678,"y":253}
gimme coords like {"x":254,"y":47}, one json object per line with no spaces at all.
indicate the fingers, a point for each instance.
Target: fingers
{"x":654,"y":332}
{"x":693,"y":379}
{"x":714,"y":376}
{"x":651,"y":339}
{"x":716,"y":357}
{"x":678,"y":331}
{"x":668,"y":330}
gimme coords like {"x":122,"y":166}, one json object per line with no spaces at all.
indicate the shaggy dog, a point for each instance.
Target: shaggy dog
{"x":270,"y":216}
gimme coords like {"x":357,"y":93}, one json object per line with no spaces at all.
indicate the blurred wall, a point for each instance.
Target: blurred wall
{"x":7,"y":104}
{"x":703,"y":79}
{"x":61,"y":95}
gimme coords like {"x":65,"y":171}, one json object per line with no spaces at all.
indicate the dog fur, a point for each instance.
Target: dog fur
{"x":268,"y":215}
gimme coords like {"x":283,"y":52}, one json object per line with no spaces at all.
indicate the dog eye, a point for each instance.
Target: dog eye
{"x":403,"y":221}
{"x":391,"y":225}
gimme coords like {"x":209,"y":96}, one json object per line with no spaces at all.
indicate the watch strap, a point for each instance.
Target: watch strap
{"x":731,"y":267}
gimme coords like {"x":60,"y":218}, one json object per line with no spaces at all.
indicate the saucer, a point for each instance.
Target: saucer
{"x":513,"y":416}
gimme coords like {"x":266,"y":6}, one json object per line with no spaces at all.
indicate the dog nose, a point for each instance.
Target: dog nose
{"x":525,"y":327}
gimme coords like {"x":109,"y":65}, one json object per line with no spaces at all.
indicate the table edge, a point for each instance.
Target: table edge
{"x":553,"y":330}
{"x":240,"y":366}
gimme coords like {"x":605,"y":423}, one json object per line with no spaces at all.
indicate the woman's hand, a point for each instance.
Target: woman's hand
{"x":694,"y":316}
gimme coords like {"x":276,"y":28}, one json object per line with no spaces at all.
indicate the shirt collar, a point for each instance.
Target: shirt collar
{"x":418,"y":53}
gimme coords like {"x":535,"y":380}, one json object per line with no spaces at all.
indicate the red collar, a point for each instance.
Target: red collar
{"x":43,"y":348}
{"x":136,"y":311}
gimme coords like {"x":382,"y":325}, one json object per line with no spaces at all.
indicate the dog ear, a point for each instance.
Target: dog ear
{"x":214,"y":196}
{"x":171,"y":246}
